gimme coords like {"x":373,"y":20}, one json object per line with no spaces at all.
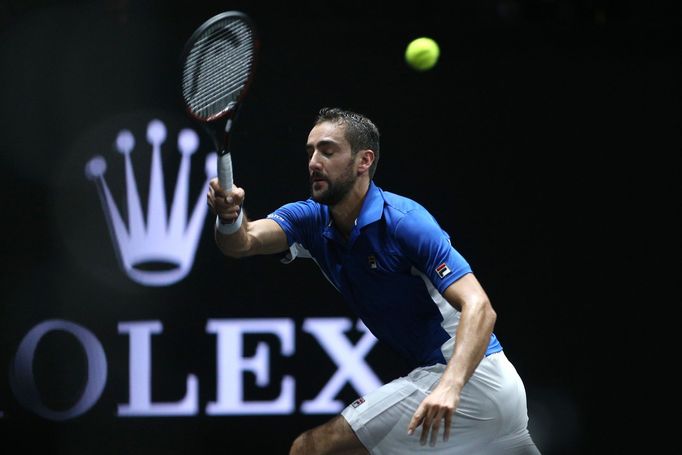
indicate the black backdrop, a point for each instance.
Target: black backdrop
{"x":542,"y":142}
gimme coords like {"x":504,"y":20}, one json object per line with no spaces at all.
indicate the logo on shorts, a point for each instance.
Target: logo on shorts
{"x":357,"y":402}
{"x":372,"y":260}
{"x":443,"y":270}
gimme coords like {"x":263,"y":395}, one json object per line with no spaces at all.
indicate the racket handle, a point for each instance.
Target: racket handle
{"x":226,"y":183}
{"x":225,"y":171}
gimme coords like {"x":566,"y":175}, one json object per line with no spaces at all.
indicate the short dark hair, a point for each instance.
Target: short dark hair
{"x":361,"y":133}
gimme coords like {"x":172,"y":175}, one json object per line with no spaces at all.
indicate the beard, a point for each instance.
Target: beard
{"x":336,"y":191}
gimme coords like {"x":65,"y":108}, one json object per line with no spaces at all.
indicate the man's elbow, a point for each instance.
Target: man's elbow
{"x":232,"y":251}
{"x":490,"y":314}
{"x":233,"y":254}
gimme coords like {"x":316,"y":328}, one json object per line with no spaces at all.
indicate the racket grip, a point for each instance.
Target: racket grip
{"x":226,"y":183}
{"x":225,"y":171}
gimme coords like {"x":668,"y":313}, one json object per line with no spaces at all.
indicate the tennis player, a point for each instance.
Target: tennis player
{"x":398,"y":271}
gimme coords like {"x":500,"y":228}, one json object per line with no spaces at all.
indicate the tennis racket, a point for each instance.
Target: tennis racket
{"x":218,"y":64}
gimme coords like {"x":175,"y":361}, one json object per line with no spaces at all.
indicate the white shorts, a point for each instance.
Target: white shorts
{"x":491,"y":417}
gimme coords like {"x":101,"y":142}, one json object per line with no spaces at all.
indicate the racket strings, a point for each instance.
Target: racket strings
{"x":220,"y":80}
{"x":210,"y":43}
{"x":237,"y":62}
{"x":220,"y":85}
{"x":217,"y":68}
{"x":222,"y":92}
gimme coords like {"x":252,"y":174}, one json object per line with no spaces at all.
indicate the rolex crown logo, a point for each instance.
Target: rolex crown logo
{"x":170,"y":240}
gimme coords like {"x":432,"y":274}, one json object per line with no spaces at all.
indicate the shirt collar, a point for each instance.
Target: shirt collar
{"x":371,"y":211}
{"x":372,"y":207}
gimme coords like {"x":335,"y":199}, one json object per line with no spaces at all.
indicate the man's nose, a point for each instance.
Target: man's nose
{"x":314,"y":163}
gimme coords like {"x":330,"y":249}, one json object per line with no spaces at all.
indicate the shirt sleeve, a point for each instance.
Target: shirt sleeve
{"x":297,"y":220}
{"x":429,"y":249}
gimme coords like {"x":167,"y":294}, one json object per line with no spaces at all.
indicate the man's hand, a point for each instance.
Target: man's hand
{"x":436,"y":409}
{"x":225,"y":204}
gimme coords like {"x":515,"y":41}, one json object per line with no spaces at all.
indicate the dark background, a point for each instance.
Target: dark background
{"x":545,"y":142}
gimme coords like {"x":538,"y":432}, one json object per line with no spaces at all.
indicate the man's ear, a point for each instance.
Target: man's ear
{"x":366,"y":158}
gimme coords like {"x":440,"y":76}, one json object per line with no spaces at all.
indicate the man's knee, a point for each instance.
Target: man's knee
{"x":335,"y":436}
{"x":303,"y":444}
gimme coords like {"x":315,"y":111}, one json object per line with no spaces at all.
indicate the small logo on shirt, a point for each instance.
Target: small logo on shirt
{"x":443,"y":270}
{"x":276,"y":216}
{"x":357,"y":402}
{"x":372,"y":261}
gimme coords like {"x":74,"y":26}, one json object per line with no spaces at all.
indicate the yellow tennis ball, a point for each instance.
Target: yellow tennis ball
{"x":422,"y":53}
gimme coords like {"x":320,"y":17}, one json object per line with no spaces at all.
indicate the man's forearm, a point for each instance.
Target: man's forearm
{"x":234,"y":244}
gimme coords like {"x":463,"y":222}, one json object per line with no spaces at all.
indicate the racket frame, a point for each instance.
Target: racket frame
{"x":219,"y":126}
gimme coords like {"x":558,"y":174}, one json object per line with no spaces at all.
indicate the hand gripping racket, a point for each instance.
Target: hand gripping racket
{"x":217,"y":68}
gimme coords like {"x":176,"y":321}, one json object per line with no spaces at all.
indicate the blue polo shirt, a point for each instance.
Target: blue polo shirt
{"x":392,"y":270}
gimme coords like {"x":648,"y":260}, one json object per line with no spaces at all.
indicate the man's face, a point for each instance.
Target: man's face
{"x":330,"y":164}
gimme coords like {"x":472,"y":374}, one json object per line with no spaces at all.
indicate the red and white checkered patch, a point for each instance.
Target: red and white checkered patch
{"x":357,"y":402}
{"x":443,"y":270}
